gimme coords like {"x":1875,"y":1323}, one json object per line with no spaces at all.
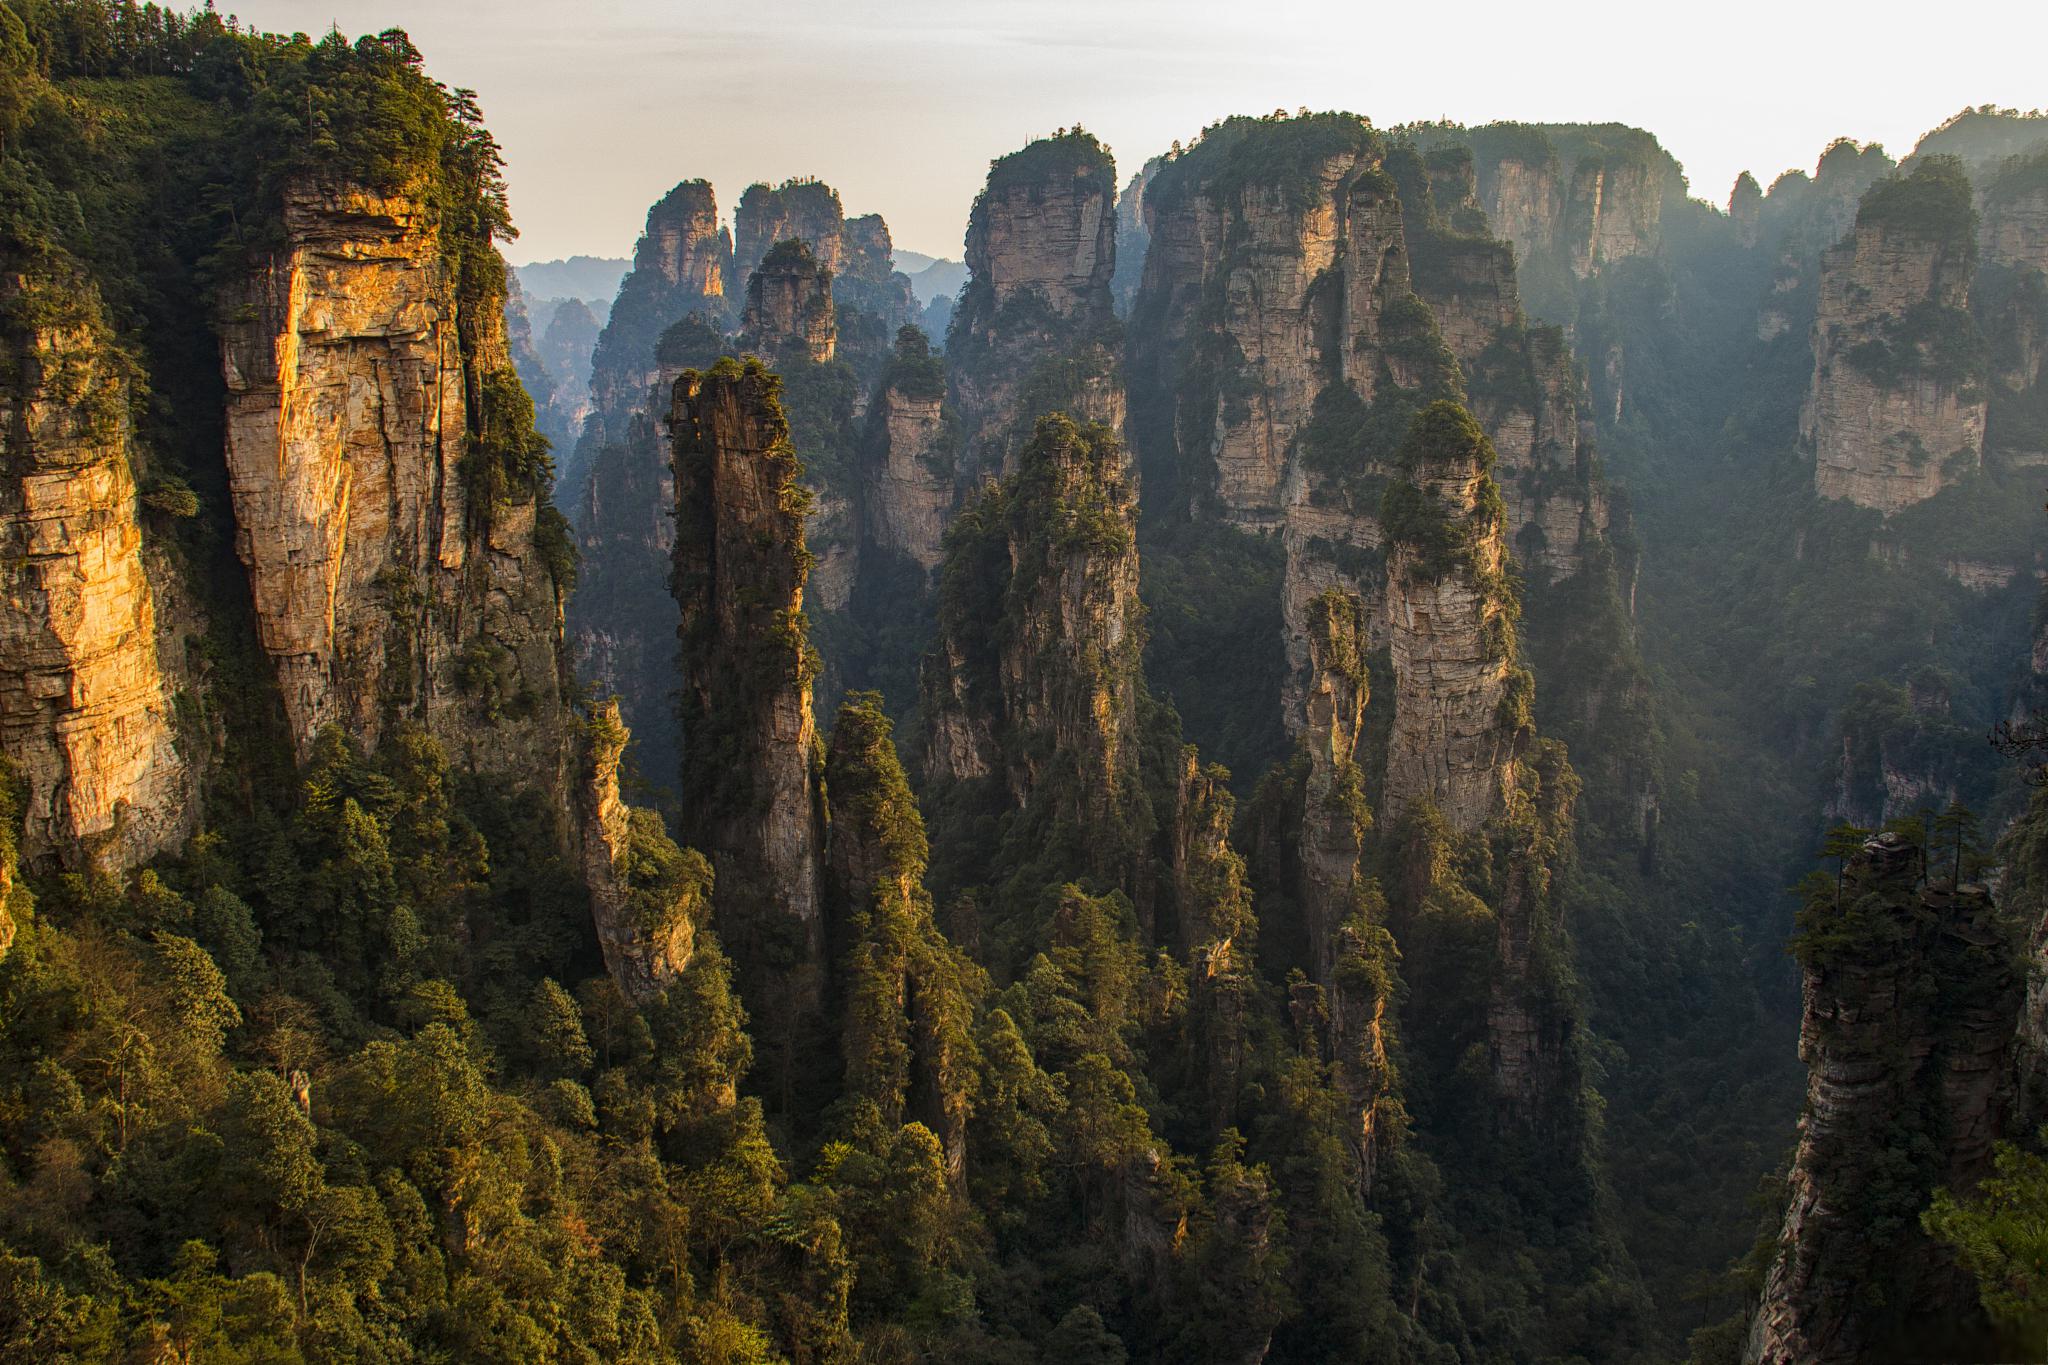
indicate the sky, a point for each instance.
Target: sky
{"x":603,"y":105}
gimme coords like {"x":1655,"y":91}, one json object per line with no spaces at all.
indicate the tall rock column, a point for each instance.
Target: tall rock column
{"x":1036,"y":330}
{"x":808,"y":211}
{"x":1460,"y":704}
{"x":1348,"y":954}
{"x":1911,"y":998}
{"x":789,"y":305}
{"x":749,"y":795}
{"x":1244,"y":226}
{"x":672,"y":312}
{"x":905,"y":994}
{"x":85,"y":705}
{"x":682,"y":264}
{"x":1334,"y":815}
{"x":393,"y":571}
{"x":1897,"y":405}
{"x":1035,"y":676}
{"x":907,"y":485}
{"x":648,"y":898}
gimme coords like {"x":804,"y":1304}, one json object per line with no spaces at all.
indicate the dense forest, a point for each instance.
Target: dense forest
{"x":1402,"y":744}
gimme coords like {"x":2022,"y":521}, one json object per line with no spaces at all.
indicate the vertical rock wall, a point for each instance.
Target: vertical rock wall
{"x":749,"y":798}
{"x":382,"y":588}
{"x":85,"y":699}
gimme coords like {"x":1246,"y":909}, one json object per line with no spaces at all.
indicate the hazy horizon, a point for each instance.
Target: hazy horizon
{"x":901,"y":107}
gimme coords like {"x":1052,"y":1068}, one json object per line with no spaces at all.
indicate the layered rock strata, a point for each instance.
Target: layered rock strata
{"x":748,"y":796}
{"x":86,"y":715}
{"x":1910,"y":1001}
{"x":1460,"y":703}
{"x":907,"y":484}
{"x":1896,"y":409}
{"x":1035,"y":673}
{"x":1035,"y":330}
{"x":789,"y":313}
{"x":387,"y":580}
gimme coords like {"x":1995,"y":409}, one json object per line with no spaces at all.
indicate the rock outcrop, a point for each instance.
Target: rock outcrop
{"x":807,"y":211}
{"x":1746,"y":209}
{"x":1896,"y":409}
{"x":1035,"y":330}
{"x":1910,"y":1002}
{"x":1334,"y":816}
{"x":1133,"y":237}
{"x":906,"y":1008}
{"x":907,"y":483}
{"x":1460,"y":704}
{"x":789,"y":312}
{"x":1346,"y":943}
{"x":1289,"y":325}
{"x":86,"y":685}
{"x":1532,"y":1021}
{"x":647,"y":898}
{"x":682,"y":264}
{"x":387,"y":491}
{"x":1231,"y":329}
{"x":748,"y":796}
{"x":1802,"y":217}
{"x":672,"y":313}
{"x":1035,"y":677}
{"x":1573,"y":195}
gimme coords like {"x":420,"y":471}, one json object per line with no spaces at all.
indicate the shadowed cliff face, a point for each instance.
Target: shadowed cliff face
{"x":1450,"y":627}
{"x":619,"y":489}
{"x":647,"y":898}
{"x":908,"y":493}
{"x":789,"y":312}
{"x":85,"y":703}
{"x":1897,"y":407}
{"x":1910,"y":1003}
{"x":1035,"y":674}
{"x":388,"y":579}
{"x":905,"y":994}
{"x":748,"y":796}
{"x":1035,"y":330}
{"x":799,"y":210}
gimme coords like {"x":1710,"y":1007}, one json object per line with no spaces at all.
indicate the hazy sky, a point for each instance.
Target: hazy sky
{"x":602,"y":105}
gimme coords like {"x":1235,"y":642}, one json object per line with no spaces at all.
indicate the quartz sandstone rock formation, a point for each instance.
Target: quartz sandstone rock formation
{"x":1334,"y":818}
{"x":808,"y":211}
{"x":907,"y":489}
{"x":1346,"y":955}
{"x":907,"y":1016}
{"x":1450,"y":626}
{"x":1573,"y":196}
{"x":749,"y":798}
{"x":683,"y":263}
{"x":1035,"y":331}
{"x":647,"y":934}
{"x":1531,"y":1022}
{"x":1896,"y":410}
{"x":85,"y":700}
{"x":1260,"y":288}
{"x":789,"y":306}
{"x":621,"y":620}
{"x":1910,"y":1002}
{"x":381,"y":587}
{"x":1226,"y":297}
{"x":1042,"y":677}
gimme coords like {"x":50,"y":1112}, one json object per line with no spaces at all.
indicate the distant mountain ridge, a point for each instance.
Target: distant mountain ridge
{"x":592,"y":278}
